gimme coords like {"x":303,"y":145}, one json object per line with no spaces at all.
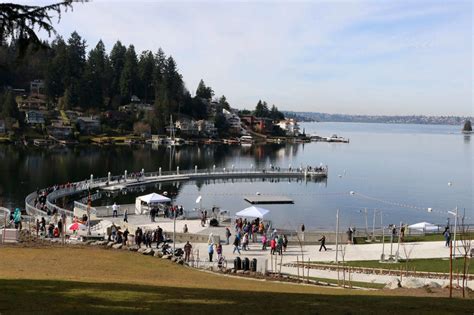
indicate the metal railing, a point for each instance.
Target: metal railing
{"x":81,"y":186}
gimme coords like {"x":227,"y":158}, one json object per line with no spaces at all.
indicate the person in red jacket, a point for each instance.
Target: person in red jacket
{"x":273,"y":245}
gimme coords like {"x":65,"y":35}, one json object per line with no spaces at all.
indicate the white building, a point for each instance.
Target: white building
{"x":290,"y":126}
{"x":187,"y":126}
{"x":235,"y":124}
{"x":207,"y":127}
{"x":34,"y":117}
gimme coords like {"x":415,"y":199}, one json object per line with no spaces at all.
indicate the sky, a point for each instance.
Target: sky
{"x":353,"y":57}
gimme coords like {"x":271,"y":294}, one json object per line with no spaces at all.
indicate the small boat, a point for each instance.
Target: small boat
{"x":335,"y":138}
{"x":246,"y":140}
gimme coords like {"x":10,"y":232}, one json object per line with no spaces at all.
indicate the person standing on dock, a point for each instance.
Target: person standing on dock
{"x":323,"y":243}
{"x":236,"y":244}
{"x":227,"y":235}
{"x":187,"y":251}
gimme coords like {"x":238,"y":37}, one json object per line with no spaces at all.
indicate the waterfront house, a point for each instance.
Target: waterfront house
{"x":33,"y":117}
{"x":60,"y":132}
{"x":88,"y":125}
{"x":32,"y":103}
{"x":187,"y":126}
{"x":235,"y":124}
{"x":206,"y":128}
{"x":290,"y":127}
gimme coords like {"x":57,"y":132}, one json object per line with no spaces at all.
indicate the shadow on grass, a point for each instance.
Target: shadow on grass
{"x":40,"y":296}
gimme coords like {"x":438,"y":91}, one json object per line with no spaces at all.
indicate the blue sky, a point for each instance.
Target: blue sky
{"x":355,"y":57}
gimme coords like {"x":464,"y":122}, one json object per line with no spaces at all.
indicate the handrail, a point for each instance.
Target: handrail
{"x":81,"y":186}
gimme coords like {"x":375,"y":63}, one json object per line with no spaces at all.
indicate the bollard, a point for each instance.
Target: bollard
{"x":159,"y":171}
{"x":224,"y":169}
{"x":125,"y":175}
{"x":177,"y":170}
{"x":92,"y":178}
{"x":214,"y":168}
{"x":195,"y":169}
{"x":108,"y":177}
{"x":232,"y":167}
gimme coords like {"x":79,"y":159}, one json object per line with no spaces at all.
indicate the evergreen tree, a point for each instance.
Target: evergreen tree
{"x":129,"y":76}
{"x":204,"y":91}
{"x":146,"y":68}
{"x":8,"y":106}
{"x":158,"y":75}
{"x":95,"y":76}
{"x":55,"y":76}
{"x":117,"y":62}
{"x":261,"y":110}
{"x":76,"y":58}
{"x":223,"y":102}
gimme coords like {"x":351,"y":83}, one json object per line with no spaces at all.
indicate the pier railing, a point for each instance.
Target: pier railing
{"x":95,"y":183}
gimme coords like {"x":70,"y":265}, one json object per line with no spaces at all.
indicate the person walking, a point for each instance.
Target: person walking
{"x":264,"y":242}
{"x":323,"y":242}
{"x":272,"y":246}
{"x":114,"y":210}
{"x":447,"y":237}
{"x":227,"y":235}
{"x":187,"y":251}
{"x":210,"y":250}
{"x":219,"y":251}
{"x":125,"y":237}
{"x":236,"y":244}
{"x":125,"y":215}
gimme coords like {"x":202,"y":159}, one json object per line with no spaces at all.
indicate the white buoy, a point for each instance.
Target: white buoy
{"x":340,"y":176}
{"x":430,"y":209}
{"x":450,"y":184}
{"x":352,"y":192}
{"x":258,"y":194}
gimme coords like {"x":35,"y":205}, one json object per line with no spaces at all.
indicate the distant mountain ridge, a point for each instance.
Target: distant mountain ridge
{"x":413,"y":119}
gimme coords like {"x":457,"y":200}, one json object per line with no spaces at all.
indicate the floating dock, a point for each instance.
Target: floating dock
{"x":259,"y":199}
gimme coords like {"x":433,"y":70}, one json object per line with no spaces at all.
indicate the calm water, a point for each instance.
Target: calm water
{"x":399,"y":169}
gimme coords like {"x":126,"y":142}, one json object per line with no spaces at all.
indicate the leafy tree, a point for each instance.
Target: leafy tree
{"x":204,"y":91}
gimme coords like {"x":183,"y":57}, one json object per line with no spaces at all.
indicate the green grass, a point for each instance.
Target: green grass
{"x":70,"y":297}
{"x":430,"y":265}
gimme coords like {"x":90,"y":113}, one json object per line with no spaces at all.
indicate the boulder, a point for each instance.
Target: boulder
{"x":133,"y":248}
{"x":89,"y":242}
{"x":101,"y":243}
{"x":433,"y":285}
{"x":158,"y":254}
{"x":180,"y":262}
{"x":174,"y":259}
{"x":240,"y":272}
{"x":148,"y":252}
{"x":166,"y":257}
{"x":412,"y":283}
{"x":141,"y":250}
{"x":117,"y":246}
{"x":110,"y":244}
{"x":394,"y":283}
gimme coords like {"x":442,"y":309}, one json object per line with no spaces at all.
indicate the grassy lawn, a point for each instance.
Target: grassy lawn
{"x":92,"y":280}
{"x":431,"y":265}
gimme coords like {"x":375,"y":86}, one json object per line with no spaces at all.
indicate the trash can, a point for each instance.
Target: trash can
{"x":246,"y":264}
{"x":253,"y":265}
{"x":237,"y":263}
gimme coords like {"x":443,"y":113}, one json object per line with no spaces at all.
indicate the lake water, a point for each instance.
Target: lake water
{"x":399,"y":169}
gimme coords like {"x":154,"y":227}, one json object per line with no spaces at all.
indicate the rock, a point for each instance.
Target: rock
{"x":141,"y":250}
{"x":133,"y":248}
{"x":100,"y":243}
{"x":394,"y":283}
{"x":240,"y":272}
{"x":246,"y":272}
{"x":110,"y":244}
{"x":180,"y":262}
{"x":148,"y":252}
{"x":166,"y":257}
{"x":174,"y":259}
{"x":433,"y":285}
{"x":117,"y":246}
{"x":412,"y":283}
{"x":89,"y":242}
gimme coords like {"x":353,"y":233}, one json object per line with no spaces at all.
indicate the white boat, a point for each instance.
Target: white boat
{"x":246,"y":140}
{"x":335,"y":138}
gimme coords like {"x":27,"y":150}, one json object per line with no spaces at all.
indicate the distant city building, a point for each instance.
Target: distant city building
{"x":88,"y":125}
{"x":34,"y":117}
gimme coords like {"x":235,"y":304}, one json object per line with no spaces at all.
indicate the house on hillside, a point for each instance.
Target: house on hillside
{"x":290,"y":127}
{"x":233,"y":119}
{"x":88,"y":125}
{"x":187,"y":126}
{"x":258,"y":124}
{"x":32,"y":103}
{"x":33,"y":117}
{"x":37,"y":87}
{"x":206,"y":128}
{"x":60,"y":132}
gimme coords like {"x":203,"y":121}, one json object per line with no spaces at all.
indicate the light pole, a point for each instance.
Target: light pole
{"x":455,"y":214}
{"x":337,"y":236}
{"x":382,"y":257}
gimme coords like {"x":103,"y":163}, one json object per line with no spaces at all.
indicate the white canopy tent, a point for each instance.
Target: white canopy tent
{"x":424,"y":227}
{"x":149,"y":200}
{"x":253,"y":212}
